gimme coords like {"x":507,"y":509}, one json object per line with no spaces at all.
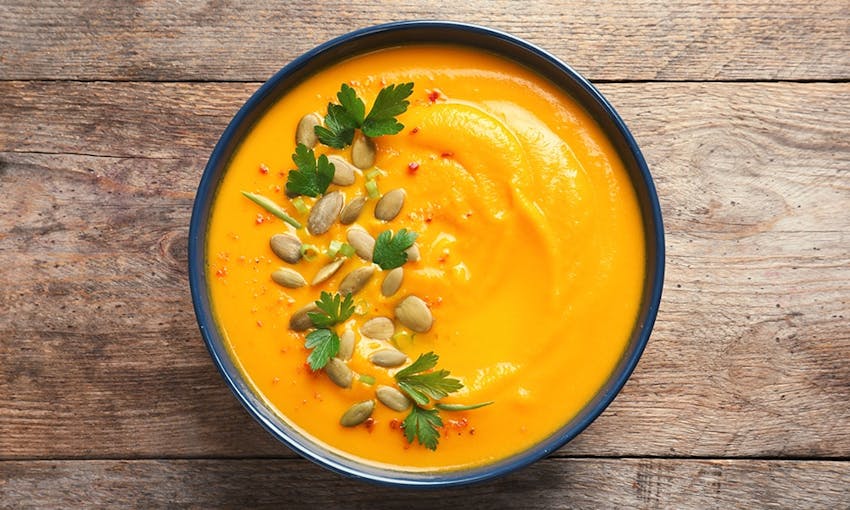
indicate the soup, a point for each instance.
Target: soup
{"x":523,"y":282}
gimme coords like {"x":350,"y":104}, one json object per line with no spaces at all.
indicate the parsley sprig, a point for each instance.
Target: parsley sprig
{"x":325,"y":345}
{"x":389,"y":252}
{"x":349,"y":114}
{"x":324,"y":342}
{"x":312,"y":177}
{"x":421,"y":385}
{"x":423,"y":425}
{"x":333,"y":310}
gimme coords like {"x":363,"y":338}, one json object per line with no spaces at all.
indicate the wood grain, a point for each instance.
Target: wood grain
{"x":250,"y":40}
{"x":552,"y":483}
{"x":748,"y":357}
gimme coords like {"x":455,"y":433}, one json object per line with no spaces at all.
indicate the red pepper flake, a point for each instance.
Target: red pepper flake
{"x":264,"y":169}
{"x":260,"y":219}
{"x":447,"y":154}
{"x":433,"y":96}
{"x":221,"y":272}
{"x":395,"y":424}
{"x":259,"y":324}
{"x":468,"y":214}
{"x":412,"y":167}
{"x":472,"y":431}
{"x":370,"y":424}
{"x":275,"y":380}
{"x":429,"y":219}
{"x":414,"y":130}
{"x":277,"y":189}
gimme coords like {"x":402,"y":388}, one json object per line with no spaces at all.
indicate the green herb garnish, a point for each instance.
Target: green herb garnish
{"x":309,"y":251}
{"x":389,"y":249}
{"x":300,"y":206}
{"x":424,"y":425}
{"x":372,"y":189}
{"x":267,"y":204}
{"x":350,"y":114}
{"x":333,"y":310}
{"x":461,"y":407}
{"x":420,"y":384}
{"x":325,"y":345}
{"x":312,"y":177}
{"x":339,"y":248}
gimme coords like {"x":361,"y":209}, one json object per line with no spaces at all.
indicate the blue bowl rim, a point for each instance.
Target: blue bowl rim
{"x":443,"y":479}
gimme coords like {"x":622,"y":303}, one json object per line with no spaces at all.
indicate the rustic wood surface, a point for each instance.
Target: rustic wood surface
{"x":109,"y":110}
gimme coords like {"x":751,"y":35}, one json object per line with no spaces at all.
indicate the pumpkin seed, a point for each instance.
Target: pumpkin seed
{"x":300,"y":321}
{"x":327,"y":271}
{"x":414,"y":313}
{"x":392,"y":398}
{"x":287,"y":247}
{"x":324,"y":213}
{"x":339,"y":373}
{"x":351,"y":211}
{"x":363,"y":243}
{"x":343,"y":171}
{"x":346,"y":345}
{"x":356,"y":280}
{"x":289,"y":278}
{"x":357,"y":414}
{"x":392,"y":282}
{"x":412,"y":253}
{"x":306,"y":131}
{"x":390,"y":204}
{"x":379,"y":328}
{"x":388,"y":358}
{"x":363,"y":152}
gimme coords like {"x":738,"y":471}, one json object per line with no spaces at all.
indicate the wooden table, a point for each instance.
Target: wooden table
{"x":109,"y":110}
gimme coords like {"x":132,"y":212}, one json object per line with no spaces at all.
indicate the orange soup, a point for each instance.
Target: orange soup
{"x":529,"y":270}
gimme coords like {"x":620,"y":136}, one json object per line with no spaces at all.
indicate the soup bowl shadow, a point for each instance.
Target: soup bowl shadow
{"x":412,"y":32}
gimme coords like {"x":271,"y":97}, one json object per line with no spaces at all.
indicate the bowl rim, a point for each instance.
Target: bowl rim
{"x":312,"y":451}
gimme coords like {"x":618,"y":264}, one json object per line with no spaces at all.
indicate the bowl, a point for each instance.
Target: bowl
{"x":394,"y":34}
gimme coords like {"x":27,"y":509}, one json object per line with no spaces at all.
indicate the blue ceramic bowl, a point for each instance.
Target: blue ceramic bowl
{"x":394,"y":34}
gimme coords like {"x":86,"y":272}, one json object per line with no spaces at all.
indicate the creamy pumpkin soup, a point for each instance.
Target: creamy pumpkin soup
{"x":426,"y":257}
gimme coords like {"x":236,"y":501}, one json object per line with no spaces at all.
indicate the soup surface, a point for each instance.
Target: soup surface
{"x":531,"y":256}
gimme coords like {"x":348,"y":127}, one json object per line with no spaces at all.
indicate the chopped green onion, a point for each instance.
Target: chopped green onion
{"x":333,"y":248}
{"x":300,"y":206}
{"x":460,"y":407}
{"x":367,"y":379}
{"x":309,"y":251}
{"x":346,"y":250}
{"x":403,"y":339}
{"x":361,"y":306}
{"x":268,"y":205}
{"x":375,"y":172}
{"x":372,"y":189}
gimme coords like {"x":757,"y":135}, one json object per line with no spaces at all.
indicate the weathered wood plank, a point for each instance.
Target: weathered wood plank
{"x":102,"y":357}
{"x":552,"y":483}
{"x":249,"y":40}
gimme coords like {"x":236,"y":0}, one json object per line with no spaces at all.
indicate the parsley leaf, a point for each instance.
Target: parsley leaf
{"x":349,"y":114}
{"x":338,"y":130}
{"x":391,"y":101}
{"x":424,"y":362}
{"x":352,"y":104}
{"x":433,"y":384}
{"x":423,"y":424}
{"x":333,"y":310}
{"x":312,"y":177}
{"x":325,"y":345}
{"x":420,"y":385}
{"x":389,"y":250}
